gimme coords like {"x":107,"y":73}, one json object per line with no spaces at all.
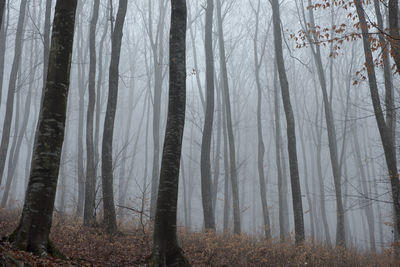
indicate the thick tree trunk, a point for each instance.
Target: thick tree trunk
{"x":32,"y":233}
{"x":228,"y":114}
{"x":5,"y":138}
{"x":90,"y":182}
{"x":205,"y":166}
{"x":291,"y":129}
{"x":110,"y":223}
{"x":384,"y":131}
{"x":166,"y":250}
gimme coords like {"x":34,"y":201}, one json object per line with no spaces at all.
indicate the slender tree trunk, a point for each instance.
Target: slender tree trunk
{"x":166,"y":250}
{"x":217,"y":149}
{"x":205,"y":166}
{"x":261,"y":147}
{"x":384,"y":131}
{"x":158,"y":63}
{"x":90,"y":181}
{"x":332,"y":140}
{"x":291,"y":129}
{"x":19,"y":135}
{"x":366,"y":205}
{"x":19,"y":40}
{"x":2,"y":7}
{"x":107,"y":168}
{"x":282,"y":199}
{"x":32,"y":233}
{"x":3,"y":38}
{"x":228,"y":113}
{"x":81,"y":84}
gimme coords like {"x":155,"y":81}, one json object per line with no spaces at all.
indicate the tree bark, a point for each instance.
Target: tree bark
{"x":166,"y":250}
{"x":205,"y":166}
{"x":110,"y":222}
{"x":32,"y":233}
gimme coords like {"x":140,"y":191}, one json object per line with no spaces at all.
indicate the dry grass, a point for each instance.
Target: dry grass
{"x":91,"y":247}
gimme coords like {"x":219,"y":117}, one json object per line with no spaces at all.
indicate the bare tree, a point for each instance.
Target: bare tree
{"x":384,"y":131}
{"x":12,"y":86}
{"x":291,"y":129}
{"x":106,"y":167}
{"x":206,"y":192}
{"x":166,"y":251}
{"x":258,"y":59}
{"x":32,"y":233}
{"x":228,"y":114}
{"x":90,"y":182}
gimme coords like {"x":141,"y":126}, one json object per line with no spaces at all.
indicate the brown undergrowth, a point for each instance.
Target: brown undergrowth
{"x":132,"y":247}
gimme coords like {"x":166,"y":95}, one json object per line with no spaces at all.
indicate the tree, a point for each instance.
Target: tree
{"x":32,"y":233}
{"x":2,"y":7}
{"x":394,"y":31}
{"x":90,"y":182}
{"x":384,"y":130}
{"x":331,"y":130}
{"x":291,"y":129}
{"x":206,"y":192}
{"x":166,"y":250}
{"x":106,"y":167}
{"x":5,"y":138}
{"x":261,"y":148}
{"x":228,"y":114}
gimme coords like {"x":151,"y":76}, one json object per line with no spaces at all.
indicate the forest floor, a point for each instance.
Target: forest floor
{"x":91,"y":247}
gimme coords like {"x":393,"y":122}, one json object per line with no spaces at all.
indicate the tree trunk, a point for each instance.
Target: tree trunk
{"x":3,"y":38}
{"x":166,"y":251}
{"x":32,"y":233}
{"x":19,"y":41}
{"x":394,"y":31}
{"x":2,"y":7}
{"x":205,"y":166}
{"x":90,"y":182}
{"x":19,"y":135}
{"x":158,"y":63}
{"x":384,"y":130}
{"x":46,"y":40}
{"x":261,"y":147}
{"x":291,"y":130}
{"x":282,"y":198}
{"x":82,"y":55}
{"x":332,"y":140}
{"x":106,"y":167}
{"x":228,"y":113}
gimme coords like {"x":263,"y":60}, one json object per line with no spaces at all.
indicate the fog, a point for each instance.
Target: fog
{"x":137,"y":147}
